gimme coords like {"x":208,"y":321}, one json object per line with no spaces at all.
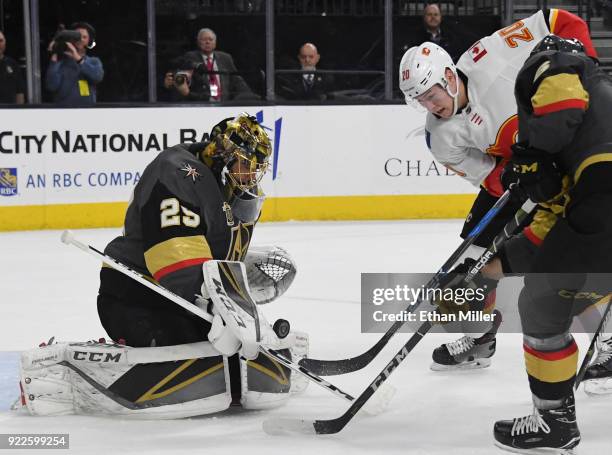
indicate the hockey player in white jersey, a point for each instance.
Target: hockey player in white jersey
{"x":471,"y":124}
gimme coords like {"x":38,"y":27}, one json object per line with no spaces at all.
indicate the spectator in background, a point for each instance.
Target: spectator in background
{"x":12,"y":86}
{"x":188,"y":81}
{"x":305,"y":86}
{"x":72,"y":76}
{"x":225,"y":85}
{"x":434,"y":33}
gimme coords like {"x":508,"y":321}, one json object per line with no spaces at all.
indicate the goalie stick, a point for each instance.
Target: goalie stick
{"x":591,"y":351}
{"x":343,"y":366}
{"x":69,"y":239}
{"x":331,"y":426}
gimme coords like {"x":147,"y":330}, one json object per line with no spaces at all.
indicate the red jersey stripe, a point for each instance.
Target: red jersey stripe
{"x":560,"y":106}
{"x":178,"y":266}
{"x":537,"y":241}
{"x":554,"y":355}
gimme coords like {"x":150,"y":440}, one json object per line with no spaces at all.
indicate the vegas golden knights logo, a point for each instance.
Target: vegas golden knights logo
{"x":241,"y":237}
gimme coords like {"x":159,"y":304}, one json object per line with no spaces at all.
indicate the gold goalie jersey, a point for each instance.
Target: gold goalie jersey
{"x":475,"y":143}
{"x":178,"y":219}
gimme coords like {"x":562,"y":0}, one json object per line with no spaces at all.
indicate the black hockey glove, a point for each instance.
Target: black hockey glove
{"x":510,"y":181}
{"x":457,"y":297}
{"x":536,"y":171}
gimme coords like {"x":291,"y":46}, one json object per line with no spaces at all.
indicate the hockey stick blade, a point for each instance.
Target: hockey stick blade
{"x":287,"y":427}
{"x":344,"y":366}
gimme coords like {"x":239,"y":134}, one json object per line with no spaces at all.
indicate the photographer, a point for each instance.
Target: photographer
{"x":72,"y":76}
{"x":12,"y":85}
{"x":187,"y":83}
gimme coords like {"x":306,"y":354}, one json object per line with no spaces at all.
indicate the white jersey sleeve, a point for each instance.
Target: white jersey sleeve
{"x":449,"y":148}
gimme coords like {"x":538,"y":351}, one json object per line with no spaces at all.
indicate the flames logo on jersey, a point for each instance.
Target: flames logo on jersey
{"x":506,"y":136}
{"x":426,"y":51}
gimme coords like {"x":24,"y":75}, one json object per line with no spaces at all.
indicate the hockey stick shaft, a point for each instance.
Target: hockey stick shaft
{"x":343,"y":366}
{"x":69,"y":239}
{"x":336,"y":425}
{"x":591,"y":351}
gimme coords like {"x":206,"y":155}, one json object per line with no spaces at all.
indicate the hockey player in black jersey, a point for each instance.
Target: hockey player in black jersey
{"x":194,"y":202}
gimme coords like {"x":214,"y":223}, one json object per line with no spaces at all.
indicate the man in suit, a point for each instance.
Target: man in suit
{"x":432,"y":31}
{"x":224,"y":85}
{"x":305,"y":86}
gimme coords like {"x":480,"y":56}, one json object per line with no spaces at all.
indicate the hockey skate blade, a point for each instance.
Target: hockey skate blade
{"x":598,"y":387}
{"x":380,"y":400}
{"x":538,"y":451}
{"x":474,"y":365}
{"x":288,"y":427}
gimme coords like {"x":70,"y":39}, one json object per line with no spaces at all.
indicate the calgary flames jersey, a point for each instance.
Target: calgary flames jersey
{"x":475,"y":143}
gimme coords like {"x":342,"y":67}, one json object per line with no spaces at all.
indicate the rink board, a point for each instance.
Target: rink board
{"x":77,"y":167}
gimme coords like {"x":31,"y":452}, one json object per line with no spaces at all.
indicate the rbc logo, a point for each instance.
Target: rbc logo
{"x":8,"y":181}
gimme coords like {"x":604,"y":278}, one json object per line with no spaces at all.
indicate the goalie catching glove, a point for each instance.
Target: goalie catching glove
{"x":270,"y":270}
{"x":455,"y":296}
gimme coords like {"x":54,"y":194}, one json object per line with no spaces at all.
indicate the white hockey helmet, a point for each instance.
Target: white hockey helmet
{"x":422,"y":67}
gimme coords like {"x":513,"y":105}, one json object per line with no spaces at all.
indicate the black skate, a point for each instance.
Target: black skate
{"x":598,"y":376}
{"x":551,"y":431}
{"x":467,"y":353}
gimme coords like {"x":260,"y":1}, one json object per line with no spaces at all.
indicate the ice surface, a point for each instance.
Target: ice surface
{"x":49,"y":289}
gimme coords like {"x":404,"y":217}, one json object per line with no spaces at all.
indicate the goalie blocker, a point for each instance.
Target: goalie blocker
{"x":172,"y":381}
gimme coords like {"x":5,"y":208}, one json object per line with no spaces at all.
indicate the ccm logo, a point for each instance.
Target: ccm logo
{"x":405,"y":75}
{"x":96,"y":356}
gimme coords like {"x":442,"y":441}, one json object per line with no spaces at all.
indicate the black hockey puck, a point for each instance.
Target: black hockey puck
{"x":282,"y":328}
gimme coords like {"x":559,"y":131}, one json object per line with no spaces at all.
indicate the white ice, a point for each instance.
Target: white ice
{"x":49,"y":289}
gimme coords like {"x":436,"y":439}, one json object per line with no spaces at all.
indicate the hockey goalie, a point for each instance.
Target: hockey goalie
{"x":187,"y":229}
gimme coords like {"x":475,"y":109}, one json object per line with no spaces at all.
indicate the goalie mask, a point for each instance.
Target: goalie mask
{"x":239,"y":152}
{"x":421,"y":68}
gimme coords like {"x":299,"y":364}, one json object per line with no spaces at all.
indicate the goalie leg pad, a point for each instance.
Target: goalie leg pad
{"x":270,"y":271}
{"x":265,"y":383}
{"x":109,"y":379}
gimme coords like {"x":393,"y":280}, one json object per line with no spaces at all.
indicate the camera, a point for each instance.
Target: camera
{"x":63,"y":37}
{"x":180,"y":77}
